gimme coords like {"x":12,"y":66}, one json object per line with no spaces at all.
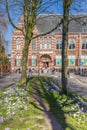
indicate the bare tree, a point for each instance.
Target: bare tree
{"x":3,"y":26}
{"x":66,"y":7}
{"x":29,"y":9}
{"x":3,"y":22}
{"x":69,"y":7}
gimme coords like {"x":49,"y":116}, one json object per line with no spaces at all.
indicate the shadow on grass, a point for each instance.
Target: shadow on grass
{"x":28,"y":79}
{"x":54,"y":109}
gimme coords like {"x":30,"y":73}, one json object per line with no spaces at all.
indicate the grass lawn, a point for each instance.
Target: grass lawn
{"x":19,"y":110}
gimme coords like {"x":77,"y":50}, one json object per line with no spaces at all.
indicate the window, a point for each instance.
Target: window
{"x":18,"y":46}
{"x":72,"y":43}
{"x":71,"y":59}
{"x":50,"y":43}
{"x":33,"y":56}
{"x":83,"y":59}
{"x":41,"y":43}
{"x":34,"y":44}
{"x":58,"y":43}
{"x":18,"y":61}
{"x":84,"y":43}
{"x":45,"y":43}
{"x":33,"y":59}
{"x":58,"y":60}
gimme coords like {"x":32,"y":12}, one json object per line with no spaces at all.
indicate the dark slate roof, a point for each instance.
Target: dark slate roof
{"x":77,"y":24}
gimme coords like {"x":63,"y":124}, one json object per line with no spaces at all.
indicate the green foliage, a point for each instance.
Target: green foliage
{"x":3,"y":57}
{"x":68,"y":113}
{"x":23,"y":110}
{"x":18,"y":109}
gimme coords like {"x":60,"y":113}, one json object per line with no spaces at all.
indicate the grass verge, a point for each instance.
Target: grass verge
{"x":19,"y":110}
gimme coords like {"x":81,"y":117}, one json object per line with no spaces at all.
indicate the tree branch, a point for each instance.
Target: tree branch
{"x":10,"y":20}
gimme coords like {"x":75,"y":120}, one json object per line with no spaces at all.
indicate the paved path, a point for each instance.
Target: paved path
{"x":77,"y":84}
{"x":8,"y":80}
{"x":83,"y":79}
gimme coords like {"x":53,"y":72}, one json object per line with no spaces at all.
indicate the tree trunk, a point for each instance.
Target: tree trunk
{"x":24,"y":62}
{"x":64,"y":79}
{"x":30,"y":10}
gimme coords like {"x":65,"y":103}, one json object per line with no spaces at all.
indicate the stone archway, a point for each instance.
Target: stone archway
{"x":45,"y":59}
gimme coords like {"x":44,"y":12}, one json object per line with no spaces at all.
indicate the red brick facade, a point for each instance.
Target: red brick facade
{"x":46,"y":53}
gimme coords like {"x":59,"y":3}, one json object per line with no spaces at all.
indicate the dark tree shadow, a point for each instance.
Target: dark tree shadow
{"x":57,"y":117}
{"x":54,"y":107}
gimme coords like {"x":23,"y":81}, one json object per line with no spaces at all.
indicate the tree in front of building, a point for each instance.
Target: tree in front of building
{"x":3,"y":22}
{"x":3,"y":26}
{"x":30,"y":9}
{"x":29,"y":12}
{"x":3,"y":58}
{"x":66,"y":8}
{"x":68,"y":5}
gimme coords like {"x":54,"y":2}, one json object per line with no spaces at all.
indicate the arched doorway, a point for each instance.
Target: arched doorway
{"x":46,"y":60}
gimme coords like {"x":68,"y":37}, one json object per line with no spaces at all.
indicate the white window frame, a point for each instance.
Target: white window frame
{"x":45,"y":43}
{"x":71,"y":43}
{"x":49,"y":43}
{"x":18,"y":46}
{"x":58,"y":43}
{"x":84,"y":41}
{"x":41,"y":42}
{"x":33,"y":56}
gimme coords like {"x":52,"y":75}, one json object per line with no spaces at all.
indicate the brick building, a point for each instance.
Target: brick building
{"x":45,"y":51}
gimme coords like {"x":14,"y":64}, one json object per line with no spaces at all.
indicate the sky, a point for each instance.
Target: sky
{"x":58,"y":10}
{"x":8,"y":37}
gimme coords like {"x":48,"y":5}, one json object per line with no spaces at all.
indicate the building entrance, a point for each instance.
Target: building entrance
{"x":45,"y":64}
{"x":46,"y":60}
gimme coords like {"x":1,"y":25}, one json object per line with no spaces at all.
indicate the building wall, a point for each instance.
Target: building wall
{"x":47,"y":56}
